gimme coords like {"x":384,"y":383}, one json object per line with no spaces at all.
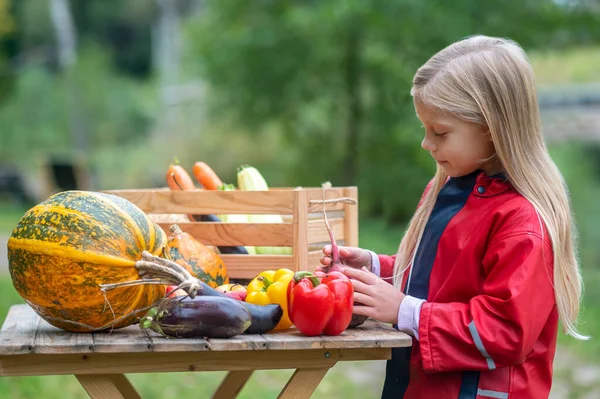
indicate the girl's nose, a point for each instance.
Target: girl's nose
{"x":427,"y":145}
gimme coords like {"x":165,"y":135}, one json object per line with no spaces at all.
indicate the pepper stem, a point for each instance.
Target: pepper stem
{"x":313,"y":279}
{"x":266,"y":282}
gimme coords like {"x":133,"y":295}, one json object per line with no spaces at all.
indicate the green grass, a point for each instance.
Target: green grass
{"x":573,"y":66}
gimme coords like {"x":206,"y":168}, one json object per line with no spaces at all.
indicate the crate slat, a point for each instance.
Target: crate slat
{"x":255,"y":234}
{"x":249,"y":266}
{"x":201,"y":202}
{"x":317,"y":232}
{"x":351,"y":218}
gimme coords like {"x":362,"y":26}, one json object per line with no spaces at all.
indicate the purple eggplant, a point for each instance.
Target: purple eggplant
{"x":263,"y":318}
{"x":202,"y":316}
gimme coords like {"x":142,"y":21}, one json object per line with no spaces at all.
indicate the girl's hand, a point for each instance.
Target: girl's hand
{"x":379,"y":300}
{"x":350,"y":256}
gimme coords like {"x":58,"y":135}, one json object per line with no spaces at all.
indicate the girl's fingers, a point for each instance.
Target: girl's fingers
{"x":364,"y":311}
{"x":365,"y":300}
{"x":360,"y":287}
{"x":361,"y":274}
{"x":325,"y":261}
{"x":370,"y":278}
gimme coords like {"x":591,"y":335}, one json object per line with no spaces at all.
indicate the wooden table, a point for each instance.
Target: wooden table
{"x":29,"y":346}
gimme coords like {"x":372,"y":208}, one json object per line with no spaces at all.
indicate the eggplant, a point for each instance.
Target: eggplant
{"x":202,"y":316}
{"x":229,"y":250}
{"x":263,"y":318}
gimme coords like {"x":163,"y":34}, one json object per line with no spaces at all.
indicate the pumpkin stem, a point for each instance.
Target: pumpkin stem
{"x":155,"y":270}
{"x":175,"y":229}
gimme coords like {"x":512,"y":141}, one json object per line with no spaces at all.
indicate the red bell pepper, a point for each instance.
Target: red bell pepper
{"x":320,"y":303}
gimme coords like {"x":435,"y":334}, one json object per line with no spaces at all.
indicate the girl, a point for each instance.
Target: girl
{"x":487,"y":266}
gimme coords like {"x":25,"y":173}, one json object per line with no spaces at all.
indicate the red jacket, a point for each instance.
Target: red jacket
{"x":489,"y":326}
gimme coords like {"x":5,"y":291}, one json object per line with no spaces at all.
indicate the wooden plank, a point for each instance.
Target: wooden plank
{"x":18,"y":331}
{"x":150,"y":362}
{"x":166,"y":344}
{"x":243,"y":342}
{"x":108,"y":386}
{"x":256,"y":234}
{"x":371,"y":334}
{"x":249,"y":266}
{"x":314,"y":259}
{"x":18,"y":337}
{"x":291,"y":339}
{"x":232,"y":384}
{"x":351,"y":218}
{"x":303,"y":383}
{"x":317,"y":232}
{"x":201,"y":202}
{"x":300,"y":230}
{"x":50,"y":339}
{"x":17,"y":317}
{"x":127,"y":339}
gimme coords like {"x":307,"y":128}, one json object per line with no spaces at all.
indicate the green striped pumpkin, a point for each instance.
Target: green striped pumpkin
{"x":65,"y":247}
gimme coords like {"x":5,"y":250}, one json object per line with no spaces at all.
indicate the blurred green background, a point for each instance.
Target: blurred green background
{"x":306,"y":91}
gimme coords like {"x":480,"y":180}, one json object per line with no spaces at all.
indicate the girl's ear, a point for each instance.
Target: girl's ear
{"x":487,"y":134}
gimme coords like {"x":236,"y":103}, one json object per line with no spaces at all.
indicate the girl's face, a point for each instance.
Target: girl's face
{"x":459,"y":147}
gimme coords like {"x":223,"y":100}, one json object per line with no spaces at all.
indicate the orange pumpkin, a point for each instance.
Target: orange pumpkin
{"x":65,"y":247}
{"x":198,"y":259}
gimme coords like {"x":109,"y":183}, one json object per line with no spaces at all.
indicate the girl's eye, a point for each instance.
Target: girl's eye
{"x":441,"y":134}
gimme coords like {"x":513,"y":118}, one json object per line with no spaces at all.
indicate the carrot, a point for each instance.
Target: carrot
{"x":178,"y":178}
{"x":206,"y":176}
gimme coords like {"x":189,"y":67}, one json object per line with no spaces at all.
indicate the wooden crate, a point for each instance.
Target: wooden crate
{"x":303,"y":228}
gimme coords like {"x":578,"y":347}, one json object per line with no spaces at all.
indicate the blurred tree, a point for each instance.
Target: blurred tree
{"x":335,"y":78}
{"x":6,"y":21}
{"x":6,"y":28}
{"x":66,"y":78}
{"x":66,"y":39}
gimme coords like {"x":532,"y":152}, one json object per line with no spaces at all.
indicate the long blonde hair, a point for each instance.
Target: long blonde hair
{"x":490,"y":81}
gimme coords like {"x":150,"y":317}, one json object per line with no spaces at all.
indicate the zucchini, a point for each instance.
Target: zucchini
{"x":250,"y":179}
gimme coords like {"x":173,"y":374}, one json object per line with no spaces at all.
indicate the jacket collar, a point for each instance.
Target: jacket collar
{"x":488,"y":186}
{"x":485,"y":186}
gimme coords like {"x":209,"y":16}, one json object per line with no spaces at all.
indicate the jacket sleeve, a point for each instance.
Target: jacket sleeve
{"x":500,"y":326}
{"x":386,"y":267}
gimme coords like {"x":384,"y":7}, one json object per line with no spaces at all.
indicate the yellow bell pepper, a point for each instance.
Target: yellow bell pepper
{"x":269,"y":287}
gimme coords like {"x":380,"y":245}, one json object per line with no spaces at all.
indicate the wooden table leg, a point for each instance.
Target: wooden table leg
{"x":107,"y":386}
{"x":303,"y":383}
{"x":232,"y":384}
